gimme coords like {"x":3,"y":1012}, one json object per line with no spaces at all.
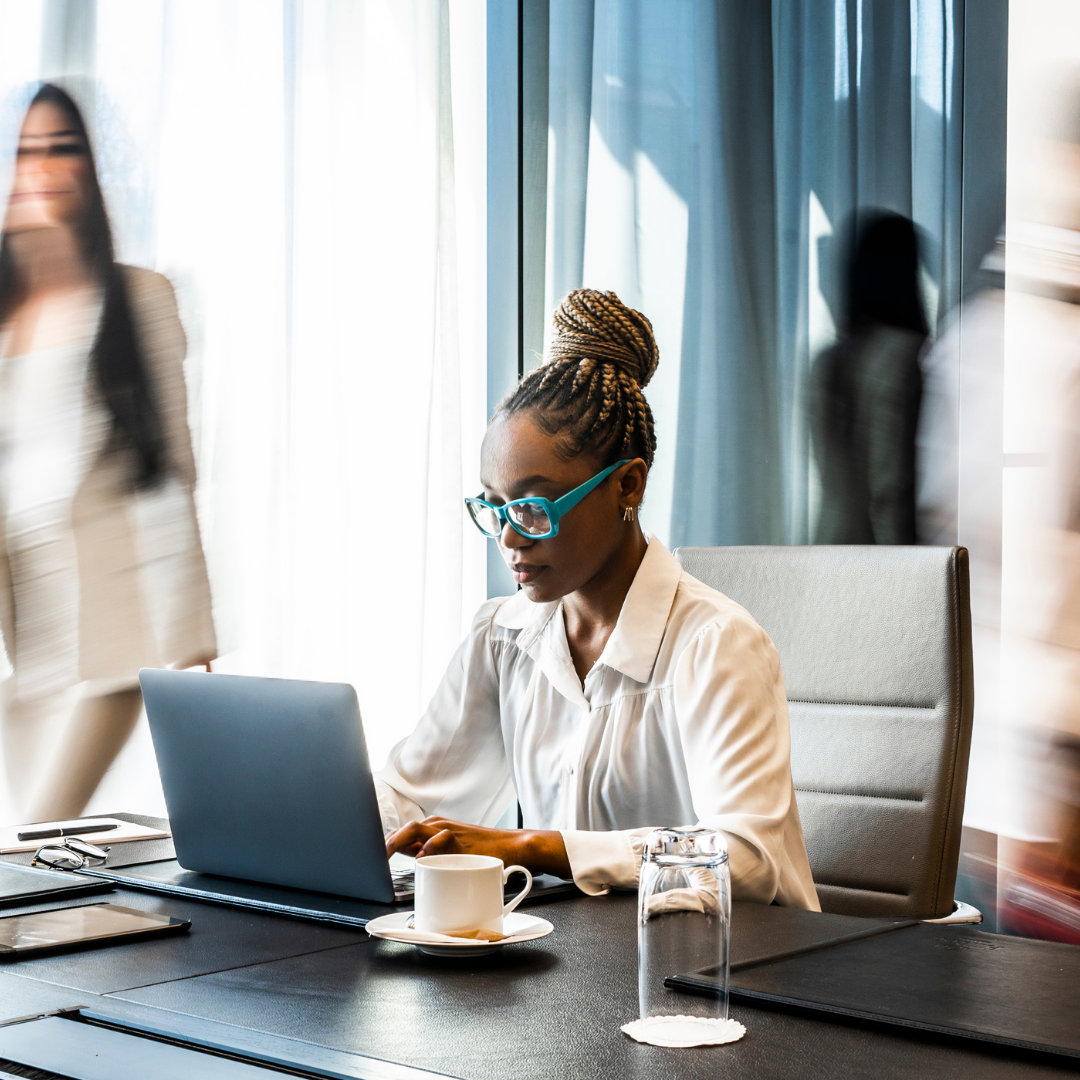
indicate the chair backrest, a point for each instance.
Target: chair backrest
{"x":875,"y":649}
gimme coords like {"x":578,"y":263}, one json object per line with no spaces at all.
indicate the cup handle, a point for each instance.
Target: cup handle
{"x":524,"y":892}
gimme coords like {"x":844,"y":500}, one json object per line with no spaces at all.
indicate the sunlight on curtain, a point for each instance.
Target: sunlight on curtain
{"x":628,"y":130}
{"x":311,"y":176}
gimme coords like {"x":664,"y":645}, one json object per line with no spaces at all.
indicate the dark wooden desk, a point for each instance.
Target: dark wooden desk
{"x":333,"y":998}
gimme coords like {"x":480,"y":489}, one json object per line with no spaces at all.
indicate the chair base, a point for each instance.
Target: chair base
{"x":961,"y":913}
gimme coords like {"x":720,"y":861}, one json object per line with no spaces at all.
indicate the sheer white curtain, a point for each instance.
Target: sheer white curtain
{"x":311,"y":176}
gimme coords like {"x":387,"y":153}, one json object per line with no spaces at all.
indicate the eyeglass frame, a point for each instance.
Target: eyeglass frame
{"x":555,"y":510}
{"x":89,"y":854}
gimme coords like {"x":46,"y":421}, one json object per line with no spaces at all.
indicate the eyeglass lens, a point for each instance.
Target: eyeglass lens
{"x":530,"y":518}
{"x":84,"y":847}
{"x":59,"y":858}
{"x":72,"y":854}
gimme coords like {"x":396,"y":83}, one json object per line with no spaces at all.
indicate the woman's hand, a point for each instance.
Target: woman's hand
{"x":543,"y":852}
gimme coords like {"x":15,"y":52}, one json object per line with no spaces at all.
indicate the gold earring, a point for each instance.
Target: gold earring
{"x":628,"y":514}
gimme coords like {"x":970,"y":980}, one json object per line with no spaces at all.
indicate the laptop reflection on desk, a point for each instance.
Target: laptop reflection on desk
{"x":268,"y":780}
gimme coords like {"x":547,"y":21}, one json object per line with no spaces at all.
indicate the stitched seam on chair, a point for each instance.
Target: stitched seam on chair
{"x":955,"y":618}
{"x":862,"y":704}
{"x":861,"y":795}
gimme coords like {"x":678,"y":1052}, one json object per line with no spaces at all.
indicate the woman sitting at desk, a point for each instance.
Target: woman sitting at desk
{"x":613,"y":693}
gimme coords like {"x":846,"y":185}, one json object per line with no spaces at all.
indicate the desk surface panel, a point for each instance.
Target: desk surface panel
{"x":21,"y":996}
{"x":220,"y":938}
{"x":549,"y":1008}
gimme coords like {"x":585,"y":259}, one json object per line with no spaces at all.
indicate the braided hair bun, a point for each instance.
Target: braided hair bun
{"x":593,"y":325}
{"x":587,"y":394}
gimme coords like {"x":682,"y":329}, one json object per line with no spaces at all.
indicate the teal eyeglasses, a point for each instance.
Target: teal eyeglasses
{"x":538,"y":519}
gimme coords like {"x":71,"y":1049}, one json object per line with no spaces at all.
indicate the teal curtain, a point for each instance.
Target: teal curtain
{"x":701,"y":159}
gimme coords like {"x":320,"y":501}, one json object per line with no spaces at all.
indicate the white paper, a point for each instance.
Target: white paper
{"x":125,"y":830}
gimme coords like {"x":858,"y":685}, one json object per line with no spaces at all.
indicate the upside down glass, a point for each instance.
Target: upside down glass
{"x":684,"y":924}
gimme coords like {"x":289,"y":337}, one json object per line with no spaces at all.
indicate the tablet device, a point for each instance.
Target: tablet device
{"x":65,"y":928}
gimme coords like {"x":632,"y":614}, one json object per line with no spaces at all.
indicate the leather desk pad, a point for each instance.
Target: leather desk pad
{"x":951,"y":980}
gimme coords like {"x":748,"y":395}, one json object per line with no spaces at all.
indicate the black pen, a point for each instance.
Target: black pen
{"x":54,"y":834}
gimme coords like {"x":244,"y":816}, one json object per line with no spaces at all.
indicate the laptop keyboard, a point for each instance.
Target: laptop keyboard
{"x":404,"y":880}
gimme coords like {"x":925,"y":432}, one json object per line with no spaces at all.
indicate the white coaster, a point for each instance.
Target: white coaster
{"x":684,"y":1031}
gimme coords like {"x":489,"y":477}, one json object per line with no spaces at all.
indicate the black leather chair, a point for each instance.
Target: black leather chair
{"x":875,"y":648}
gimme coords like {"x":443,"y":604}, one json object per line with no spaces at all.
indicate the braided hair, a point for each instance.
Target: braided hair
{"x":587,"y":394}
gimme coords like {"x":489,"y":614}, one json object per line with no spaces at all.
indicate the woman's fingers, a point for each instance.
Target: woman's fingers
{"x":408,"y":839}
{"x":541,"y":851}
{"x":441,"y":843}
{"x":414,"y":837}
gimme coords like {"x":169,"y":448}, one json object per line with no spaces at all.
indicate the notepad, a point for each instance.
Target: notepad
{"x":125,"y":830}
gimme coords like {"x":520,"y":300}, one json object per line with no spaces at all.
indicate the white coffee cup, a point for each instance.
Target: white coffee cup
{"x":463,"y":892}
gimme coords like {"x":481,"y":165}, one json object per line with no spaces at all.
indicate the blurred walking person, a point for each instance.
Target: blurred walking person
{"x":101,"y":564}
{"x":1039,"y":865}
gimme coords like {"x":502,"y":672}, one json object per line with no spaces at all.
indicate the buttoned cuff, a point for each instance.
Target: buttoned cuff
{"x":601,"y":860}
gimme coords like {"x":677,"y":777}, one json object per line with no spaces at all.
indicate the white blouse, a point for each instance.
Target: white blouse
{"x":96,"y":579}
{"x":682,"y":720}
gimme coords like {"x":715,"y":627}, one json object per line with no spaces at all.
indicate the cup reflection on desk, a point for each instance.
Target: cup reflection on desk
{"x":456,"y":893}
{"x":684,"y":921}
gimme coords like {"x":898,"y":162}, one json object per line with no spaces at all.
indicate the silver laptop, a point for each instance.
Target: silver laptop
{"x":268,"y":780}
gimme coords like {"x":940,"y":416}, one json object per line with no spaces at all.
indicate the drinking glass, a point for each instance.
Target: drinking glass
{"x":684,"y":924}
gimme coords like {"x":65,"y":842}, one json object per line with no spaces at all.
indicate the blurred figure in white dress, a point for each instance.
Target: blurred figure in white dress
{"x":101,"y":564}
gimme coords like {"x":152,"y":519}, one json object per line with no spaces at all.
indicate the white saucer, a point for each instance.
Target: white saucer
{"x":518,"y":927}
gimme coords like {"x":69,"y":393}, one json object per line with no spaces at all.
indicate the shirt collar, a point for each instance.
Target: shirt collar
{"x":520,"y":613}
{"x":635,"y":642}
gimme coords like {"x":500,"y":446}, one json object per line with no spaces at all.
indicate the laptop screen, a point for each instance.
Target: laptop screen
{"x":268,"y":780}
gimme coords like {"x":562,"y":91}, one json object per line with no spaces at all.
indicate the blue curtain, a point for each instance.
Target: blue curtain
{"x":701,"y":159}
